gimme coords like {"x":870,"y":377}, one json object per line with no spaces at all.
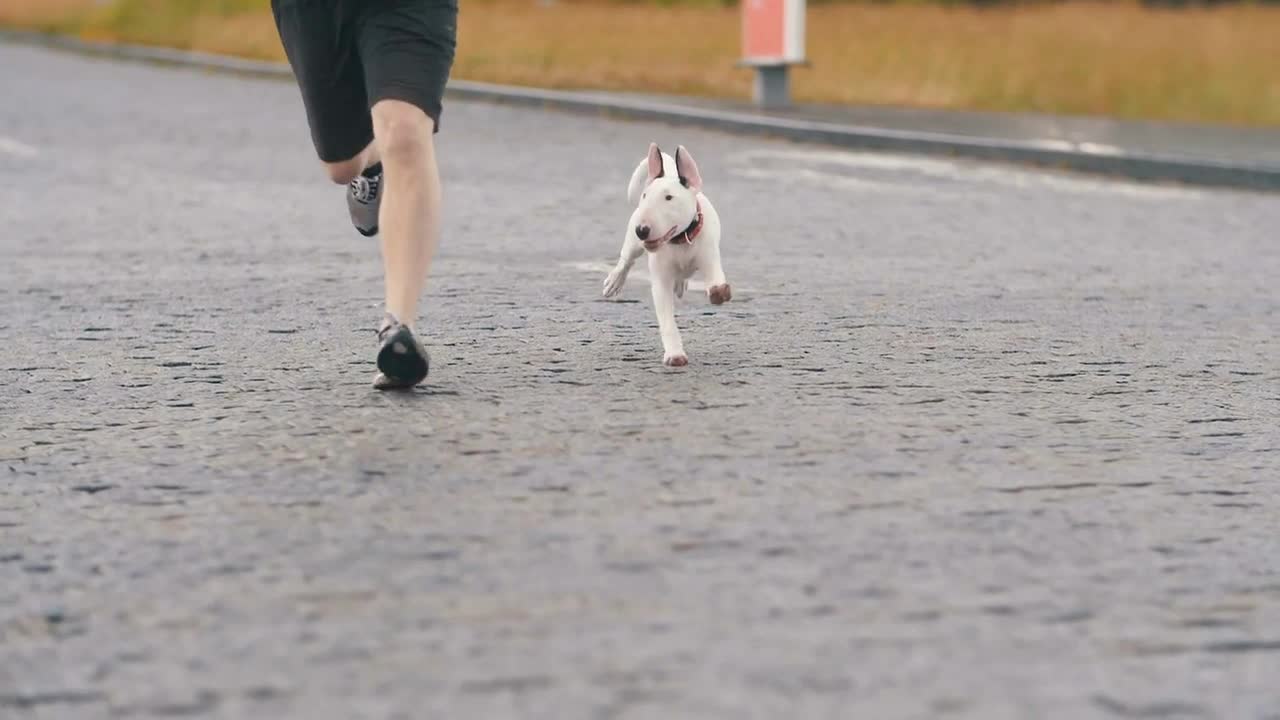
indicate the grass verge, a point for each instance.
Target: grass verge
{"x":1117,"y":58}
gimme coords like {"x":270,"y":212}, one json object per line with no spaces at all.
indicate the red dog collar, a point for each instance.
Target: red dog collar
{"x":690,"y":232}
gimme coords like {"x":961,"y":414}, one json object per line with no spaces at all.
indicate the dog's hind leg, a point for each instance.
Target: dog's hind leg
{"x":681,"y":286}
{"x":631,"y":251}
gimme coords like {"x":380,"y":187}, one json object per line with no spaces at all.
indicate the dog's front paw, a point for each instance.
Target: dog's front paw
{"x":719,"y":294}
{"x":614,"y":282}
{"x":675,"y":360}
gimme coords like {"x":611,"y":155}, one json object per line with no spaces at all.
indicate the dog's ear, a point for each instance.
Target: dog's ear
{"x":687,"y":169}
{"x":655,"y":162}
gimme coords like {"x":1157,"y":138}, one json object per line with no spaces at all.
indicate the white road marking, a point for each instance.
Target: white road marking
{"x":1073,"y":146}
{"x":828,"y":179}
{"x":10,"y":146}
{"x":1100,"y":148}
{"x":1055,"y":144}
{"x":825,"y":167}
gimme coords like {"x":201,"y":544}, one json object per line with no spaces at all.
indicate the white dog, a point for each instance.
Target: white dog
{"x":677,"y":226}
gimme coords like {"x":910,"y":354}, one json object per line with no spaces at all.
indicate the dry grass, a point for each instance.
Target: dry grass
{"x":1113,"y":58}
{"x":43,"y":14}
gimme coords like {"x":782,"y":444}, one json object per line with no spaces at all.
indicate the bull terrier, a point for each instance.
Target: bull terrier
{"x":677,"y":226}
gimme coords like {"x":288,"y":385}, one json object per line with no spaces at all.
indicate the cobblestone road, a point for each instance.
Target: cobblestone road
{"x":969,"y":441}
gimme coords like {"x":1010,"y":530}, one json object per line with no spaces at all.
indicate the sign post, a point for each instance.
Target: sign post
{"x":772,"y":41}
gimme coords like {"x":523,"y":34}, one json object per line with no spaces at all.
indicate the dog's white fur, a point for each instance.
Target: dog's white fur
{"x":667,"y":193}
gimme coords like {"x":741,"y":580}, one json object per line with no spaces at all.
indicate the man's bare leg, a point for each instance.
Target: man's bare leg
{"x":409,"y":219}
{"x":397,"y":56}
{"x":344,"y":172}
{"x":362,"y":175}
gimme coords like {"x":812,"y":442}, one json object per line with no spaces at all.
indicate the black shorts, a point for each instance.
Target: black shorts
{"x":349,"y":54}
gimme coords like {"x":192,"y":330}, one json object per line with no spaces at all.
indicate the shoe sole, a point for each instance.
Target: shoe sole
{"x":400,"y":362}
{"x":367,"y":233}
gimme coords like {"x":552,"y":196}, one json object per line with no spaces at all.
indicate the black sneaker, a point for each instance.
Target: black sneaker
{"x":364,"y":197}
{"x":402,"y":360}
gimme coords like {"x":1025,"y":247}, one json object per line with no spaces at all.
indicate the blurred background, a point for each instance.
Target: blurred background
{"x":1167,"y":60}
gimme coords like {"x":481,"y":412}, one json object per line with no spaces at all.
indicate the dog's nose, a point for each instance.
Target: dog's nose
{"x":642,"y":232}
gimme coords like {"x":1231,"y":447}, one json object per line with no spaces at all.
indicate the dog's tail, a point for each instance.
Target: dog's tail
{"x":637,"y":182}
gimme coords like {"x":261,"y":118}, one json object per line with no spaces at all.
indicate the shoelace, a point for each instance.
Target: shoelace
{"x":365,"y":189}
{"x":389,"y":324}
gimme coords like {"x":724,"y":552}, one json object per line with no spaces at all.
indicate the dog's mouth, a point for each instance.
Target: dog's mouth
{"x":653,"y":243}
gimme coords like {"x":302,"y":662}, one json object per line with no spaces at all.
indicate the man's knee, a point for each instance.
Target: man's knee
{"x":345,"y":171}
{"x":403,"y":131}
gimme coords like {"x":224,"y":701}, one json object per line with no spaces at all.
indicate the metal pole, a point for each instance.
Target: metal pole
{"x":772,"y":87}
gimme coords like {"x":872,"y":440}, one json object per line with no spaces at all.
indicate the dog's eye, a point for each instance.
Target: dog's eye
{"x":668,"y":197}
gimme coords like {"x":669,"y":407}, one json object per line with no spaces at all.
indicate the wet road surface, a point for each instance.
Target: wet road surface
{"x":969,"y":441}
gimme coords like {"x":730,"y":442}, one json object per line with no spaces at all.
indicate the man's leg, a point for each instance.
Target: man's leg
{"x":407,"y":51}
{"x":322,"y":54}
{"x":322,"y":50}
{"x":409,"y":220}
{"x":362,"y":175}
{"x":343,"y":172}
{"x":323,"y":47}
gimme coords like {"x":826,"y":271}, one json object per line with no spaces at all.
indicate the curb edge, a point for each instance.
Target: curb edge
{"x":1133,"y":166}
